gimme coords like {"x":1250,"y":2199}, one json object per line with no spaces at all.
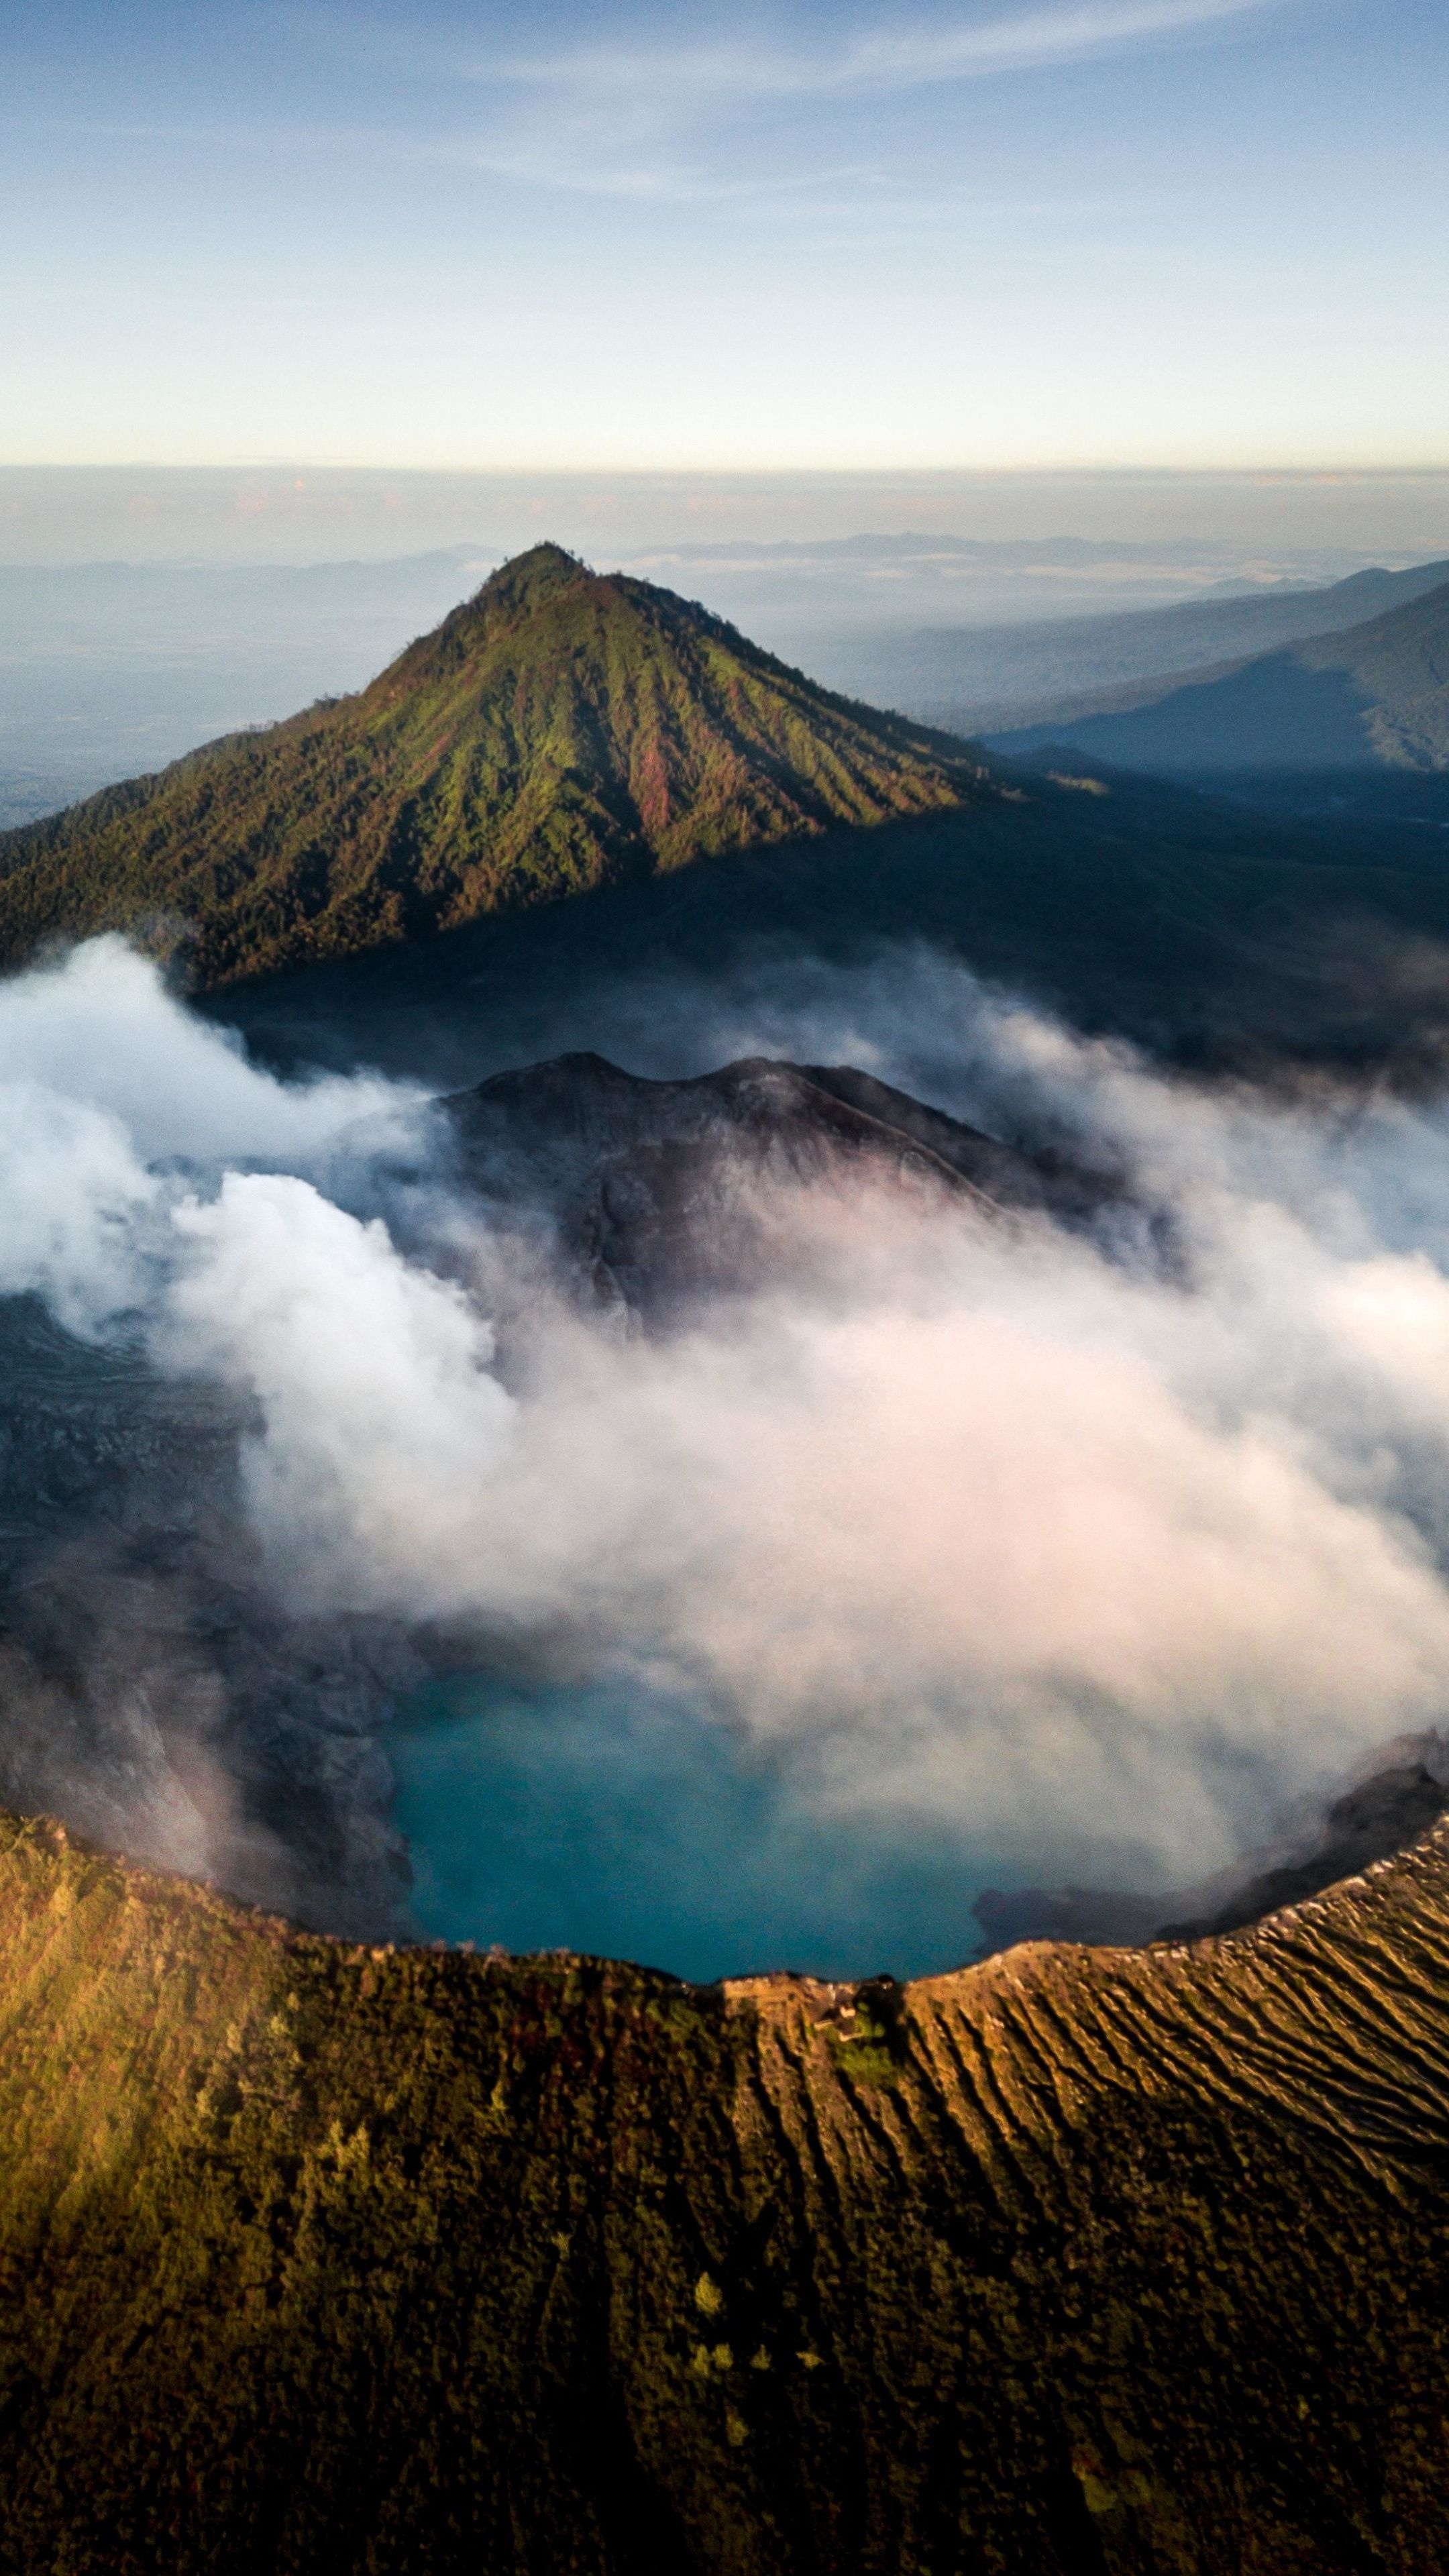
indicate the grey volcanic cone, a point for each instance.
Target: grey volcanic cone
{"x":656,"y":1187}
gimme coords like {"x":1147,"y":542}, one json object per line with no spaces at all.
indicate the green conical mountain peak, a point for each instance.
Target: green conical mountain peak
{"x":562,"y":730}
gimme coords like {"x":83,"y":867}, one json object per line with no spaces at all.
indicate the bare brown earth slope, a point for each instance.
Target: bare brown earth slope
{"x":563,"y":730}
{"x":321,"y":2258}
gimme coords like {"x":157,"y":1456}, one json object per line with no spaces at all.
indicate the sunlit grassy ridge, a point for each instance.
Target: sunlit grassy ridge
{"x":561,"y":731}
{"x":322,"y":2259}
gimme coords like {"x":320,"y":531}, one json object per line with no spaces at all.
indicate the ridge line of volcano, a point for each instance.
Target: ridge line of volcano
{"x":562,"y":730}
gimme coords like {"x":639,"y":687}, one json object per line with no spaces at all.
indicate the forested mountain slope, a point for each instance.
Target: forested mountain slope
{"x":563,"y":730}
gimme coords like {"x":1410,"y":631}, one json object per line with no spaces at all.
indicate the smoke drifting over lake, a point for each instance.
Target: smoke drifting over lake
{"x":1087,"y":1546}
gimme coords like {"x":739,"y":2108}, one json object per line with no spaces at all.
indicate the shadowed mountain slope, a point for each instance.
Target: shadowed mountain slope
{"x":1374,"y":698}
{"x":661,"y":1190}
{"x":567,"y":1119}
{"x":1196,"y":927}
{"x":981,"y":679}
{"x":563,"y":730}
{"x":325,"y":2258}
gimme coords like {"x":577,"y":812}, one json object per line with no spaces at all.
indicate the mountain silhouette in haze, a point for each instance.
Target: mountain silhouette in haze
{"x":983,"y":680}
{"x":561,"y":731}
{"x":662,"y":1191}
{"x":1373,"y":698}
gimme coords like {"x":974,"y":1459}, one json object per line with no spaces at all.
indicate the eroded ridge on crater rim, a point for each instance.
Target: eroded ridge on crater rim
{"x":318,"y":2255}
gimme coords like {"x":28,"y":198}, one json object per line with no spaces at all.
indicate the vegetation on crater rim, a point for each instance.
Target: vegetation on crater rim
{"x":325,"y":2258}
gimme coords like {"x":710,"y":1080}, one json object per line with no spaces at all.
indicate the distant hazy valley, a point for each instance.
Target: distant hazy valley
{"x":112,"y":668}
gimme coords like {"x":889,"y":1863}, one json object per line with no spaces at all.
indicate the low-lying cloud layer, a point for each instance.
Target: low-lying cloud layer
{"x":1091,"y":1548}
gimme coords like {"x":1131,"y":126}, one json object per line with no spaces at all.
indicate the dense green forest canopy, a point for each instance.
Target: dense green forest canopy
{"x":561,"y":731}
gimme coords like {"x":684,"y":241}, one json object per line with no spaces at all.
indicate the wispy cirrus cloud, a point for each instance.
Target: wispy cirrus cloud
{"x":907,"y":56}
{"x":638,"y":118}
{"x":779,"y":117}
{"x":1034,"y":37}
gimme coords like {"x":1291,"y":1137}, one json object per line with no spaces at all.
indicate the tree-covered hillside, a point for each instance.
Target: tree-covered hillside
{"x":562,"y":730}
{"x":330,"y":2261}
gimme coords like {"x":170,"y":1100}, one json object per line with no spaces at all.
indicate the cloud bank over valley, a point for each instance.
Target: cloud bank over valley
{"x":1086,"y":1545}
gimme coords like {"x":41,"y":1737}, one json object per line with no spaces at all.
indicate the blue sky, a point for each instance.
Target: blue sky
{"x":1000,"y":233}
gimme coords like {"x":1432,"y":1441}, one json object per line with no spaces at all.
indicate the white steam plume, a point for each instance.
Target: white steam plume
{"x":381,"y":1422}
{"x":992,"y":1525}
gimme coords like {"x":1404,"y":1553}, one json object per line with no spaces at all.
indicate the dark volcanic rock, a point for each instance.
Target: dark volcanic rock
{"x":578,"y":1113}
{"x":1004,"y":1173}
{"x":1380,"y":1816}
{"x":658,"y":1187}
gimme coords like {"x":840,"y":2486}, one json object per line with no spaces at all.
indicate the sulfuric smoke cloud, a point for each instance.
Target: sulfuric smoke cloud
{"x":1090,"y":1546}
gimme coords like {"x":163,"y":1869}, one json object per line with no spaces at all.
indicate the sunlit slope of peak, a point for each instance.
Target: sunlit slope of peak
{"x":323,"y":2259}
{"x":562,"y":730}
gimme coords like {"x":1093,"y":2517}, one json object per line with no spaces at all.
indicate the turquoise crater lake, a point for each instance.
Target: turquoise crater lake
{"x":615,"y":1821}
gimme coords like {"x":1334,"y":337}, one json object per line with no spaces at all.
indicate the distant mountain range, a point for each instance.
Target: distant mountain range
{"x":577,"y":774}
{"x":888,"y":585}
{"x":1373,"y":697}
{"x":562,"y":730}
{"x":981,"y":679}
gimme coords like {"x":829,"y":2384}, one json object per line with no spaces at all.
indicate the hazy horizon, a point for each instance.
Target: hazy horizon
{"x":290,"y":512}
